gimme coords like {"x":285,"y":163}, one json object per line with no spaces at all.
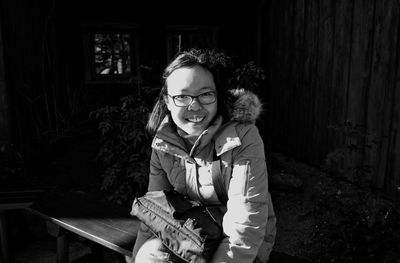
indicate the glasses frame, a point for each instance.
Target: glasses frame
{"x":194,"y":97}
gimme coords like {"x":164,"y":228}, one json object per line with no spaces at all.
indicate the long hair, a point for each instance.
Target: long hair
{"x":217,"y":63}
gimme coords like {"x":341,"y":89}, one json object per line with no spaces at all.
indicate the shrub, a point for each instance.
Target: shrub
{"x":124,"y":148}
{"x":11,"y":166}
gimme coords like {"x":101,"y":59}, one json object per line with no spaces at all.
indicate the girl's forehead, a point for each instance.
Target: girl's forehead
{"x":190,"y":79}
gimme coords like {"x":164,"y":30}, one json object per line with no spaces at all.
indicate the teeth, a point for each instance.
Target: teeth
{"x":195,"y":119}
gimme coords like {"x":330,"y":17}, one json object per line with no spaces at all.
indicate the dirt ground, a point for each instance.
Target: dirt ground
{"x":322,"y":219}
{"x":292,"y":204}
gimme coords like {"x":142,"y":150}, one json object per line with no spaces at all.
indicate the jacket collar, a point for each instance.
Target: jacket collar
{"x":167,"y":139}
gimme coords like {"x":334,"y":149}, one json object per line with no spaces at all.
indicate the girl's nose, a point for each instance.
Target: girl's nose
{"x":195,"y":105}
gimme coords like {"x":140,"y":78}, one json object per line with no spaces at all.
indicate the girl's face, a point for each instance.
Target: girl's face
{"x":196,"y":116}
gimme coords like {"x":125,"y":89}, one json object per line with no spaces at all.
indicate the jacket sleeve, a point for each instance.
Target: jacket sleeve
{"x":245,"y":221}
{"x":157,"y":181}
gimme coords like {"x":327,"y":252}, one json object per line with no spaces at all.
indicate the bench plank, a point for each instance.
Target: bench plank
{"x":104,"y":223}
{"x":17,"y":198}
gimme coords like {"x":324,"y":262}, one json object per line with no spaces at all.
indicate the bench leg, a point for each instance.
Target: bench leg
{"x":62,"y":246}
{"x":97,"y":252}
{"x":5,"y":255}
{"x":62,"y":241}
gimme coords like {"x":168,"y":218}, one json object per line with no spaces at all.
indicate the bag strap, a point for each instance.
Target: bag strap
{"x":217,"y":179}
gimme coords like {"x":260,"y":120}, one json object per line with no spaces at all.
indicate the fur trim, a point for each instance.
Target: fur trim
{"x":245,"y":106}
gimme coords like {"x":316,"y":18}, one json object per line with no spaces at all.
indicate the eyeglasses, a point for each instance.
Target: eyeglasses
{"x":185,"y":100}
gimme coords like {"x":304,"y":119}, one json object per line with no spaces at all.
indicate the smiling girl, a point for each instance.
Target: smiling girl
{"x":195,"y":119}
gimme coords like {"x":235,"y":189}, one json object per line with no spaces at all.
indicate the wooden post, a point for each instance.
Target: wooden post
{"x":4,"y":117}
{"x":62,"y":241}
{"x":260,"y":30}
{"x":5,"y":255}
{"x":62,"y":246}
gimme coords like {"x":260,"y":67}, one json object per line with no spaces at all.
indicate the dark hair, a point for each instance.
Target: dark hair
{"x":217,"y":63}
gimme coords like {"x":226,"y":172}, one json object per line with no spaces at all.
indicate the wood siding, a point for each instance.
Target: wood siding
{"x":4,"y":119}
{"x":24,"y":30}
{"x":332,"y":61}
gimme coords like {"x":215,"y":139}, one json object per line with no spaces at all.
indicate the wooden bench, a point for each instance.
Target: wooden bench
{"x":12,"y":199}
{"x":106,"y":224}
{"x":103,"y":223}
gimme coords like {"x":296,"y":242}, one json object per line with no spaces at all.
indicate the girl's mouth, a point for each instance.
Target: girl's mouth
{"x":196,"y":119}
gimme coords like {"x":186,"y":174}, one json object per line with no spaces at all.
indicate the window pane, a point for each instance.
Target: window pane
{"x":112,"y":54}
{"x":188,"y":39}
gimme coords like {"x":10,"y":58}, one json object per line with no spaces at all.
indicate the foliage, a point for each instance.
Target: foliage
{"x":354,"y":223}
{"x":248,"y":76}
{"x":56,"y":109}
{"x":124,"y":148}
{"x":345,"y":162}
{"x":10,"y":163}
{"x":12,"y":168}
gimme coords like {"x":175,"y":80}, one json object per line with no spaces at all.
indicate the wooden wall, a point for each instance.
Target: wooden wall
{"x":4,"y":117}
{"x":24,"y":32}
{"x":332,"y":61}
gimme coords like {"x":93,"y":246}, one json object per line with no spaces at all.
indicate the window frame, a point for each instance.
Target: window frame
{"x":88,"y":32}
{"x":172,"y":30}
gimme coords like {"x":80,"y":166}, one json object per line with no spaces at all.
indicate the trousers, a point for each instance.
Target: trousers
{"x":153,"y":251}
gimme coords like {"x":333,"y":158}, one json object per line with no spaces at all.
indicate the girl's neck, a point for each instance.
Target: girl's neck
{"x":189,"y":139}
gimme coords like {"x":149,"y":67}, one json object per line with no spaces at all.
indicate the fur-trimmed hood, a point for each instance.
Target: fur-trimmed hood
{"x":244,"y":106}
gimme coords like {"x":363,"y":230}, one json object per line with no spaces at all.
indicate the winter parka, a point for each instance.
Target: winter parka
{"x":249,"y":223}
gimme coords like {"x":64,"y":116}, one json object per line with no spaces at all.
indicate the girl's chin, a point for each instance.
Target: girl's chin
{"x":194,"y":129}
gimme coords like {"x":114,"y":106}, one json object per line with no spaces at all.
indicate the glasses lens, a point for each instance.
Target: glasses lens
{"x":207,"y":98}
{"x":182,"y":100}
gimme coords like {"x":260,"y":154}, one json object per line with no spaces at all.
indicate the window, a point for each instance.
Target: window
{"x":183,"y":37}
{"x":111,"y":52}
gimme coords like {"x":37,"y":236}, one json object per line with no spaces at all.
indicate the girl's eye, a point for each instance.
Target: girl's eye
{"x":182,"y":97}
{"x":207,"y":97}
{"x":207,"y":94}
